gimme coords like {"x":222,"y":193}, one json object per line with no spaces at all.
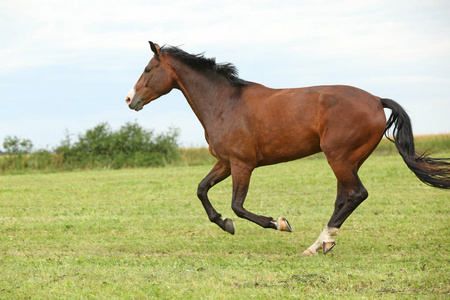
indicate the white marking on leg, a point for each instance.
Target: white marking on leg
{"x":326,"y":236}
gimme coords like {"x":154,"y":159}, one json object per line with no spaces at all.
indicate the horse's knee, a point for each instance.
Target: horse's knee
{"x":202,"y":190}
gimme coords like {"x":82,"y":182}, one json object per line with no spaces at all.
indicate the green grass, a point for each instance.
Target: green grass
{"x":142,"y":233}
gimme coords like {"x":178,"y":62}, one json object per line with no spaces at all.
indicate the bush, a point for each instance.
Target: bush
{"x":131,"y":146}
{"x":99,"y":147}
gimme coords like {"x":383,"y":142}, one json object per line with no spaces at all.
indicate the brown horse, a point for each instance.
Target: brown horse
{"x":248,"y":125}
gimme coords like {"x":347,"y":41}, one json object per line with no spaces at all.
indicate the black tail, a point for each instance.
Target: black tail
{"x":432,"y":171}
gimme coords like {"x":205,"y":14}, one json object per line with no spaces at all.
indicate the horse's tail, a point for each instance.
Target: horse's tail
{"x":432,"y":171}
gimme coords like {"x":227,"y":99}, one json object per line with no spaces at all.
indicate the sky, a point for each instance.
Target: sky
{"x":67,"y":66}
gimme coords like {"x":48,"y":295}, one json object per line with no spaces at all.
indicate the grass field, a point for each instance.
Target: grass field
{"x":142,"y":233}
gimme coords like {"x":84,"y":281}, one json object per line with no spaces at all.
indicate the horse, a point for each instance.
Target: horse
{"x":248,"y":125}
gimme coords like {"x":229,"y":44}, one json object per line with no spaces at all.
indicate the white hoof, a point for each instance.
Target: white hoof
{"x":283,"y":225}
{"x":327,"y":246}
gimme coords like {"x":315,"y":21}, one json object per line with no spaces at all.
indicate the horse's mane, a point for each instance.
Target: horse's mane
{"x":200,"y":62}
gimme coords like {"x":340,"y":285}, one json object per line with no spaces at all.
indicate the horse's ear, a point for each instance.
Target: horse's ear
{"x":155,"y":48}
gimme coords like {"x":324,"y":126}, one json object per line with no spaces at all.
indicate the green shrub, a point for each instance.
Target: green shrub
{"x":130,"y":146}
{"x":99,"y":147}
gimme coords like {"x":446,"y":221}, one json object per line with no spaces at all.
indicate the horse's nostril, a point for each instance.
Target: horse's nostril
{"x":128,"y":100}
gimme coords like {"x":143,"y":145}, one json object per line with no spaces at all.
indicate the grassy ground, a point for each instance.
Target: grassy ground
{"x":142,"y":233}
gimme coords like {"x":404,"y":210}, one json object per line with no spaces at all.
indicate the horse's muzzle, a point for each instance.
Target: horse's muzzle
{"x":134,"y":104}
{"x":133,"y":101}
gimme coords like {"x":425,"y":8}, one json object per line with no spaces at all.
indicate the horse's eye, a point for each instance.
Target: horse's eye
{"x":147,"y":70}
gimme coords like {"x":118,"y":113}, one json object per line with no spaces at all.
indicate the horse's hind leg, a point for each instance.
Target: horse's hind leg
{"x":216,"y":175}
{"x":350,"y":194}
{"x":347,"y":142}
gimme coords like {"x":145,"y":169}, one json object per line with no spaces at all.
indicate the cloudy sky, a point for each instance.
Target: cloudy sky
{"x":66,"y":66}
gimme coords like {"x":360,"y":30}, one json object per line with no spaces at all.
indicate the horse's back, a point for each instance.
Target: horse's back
{"x":288,"y":124}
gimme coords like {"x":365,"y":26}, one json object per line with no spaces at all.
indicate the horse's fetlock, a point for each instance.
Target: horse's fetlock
{"x":214,"y":217}
{"x":238,"y":210}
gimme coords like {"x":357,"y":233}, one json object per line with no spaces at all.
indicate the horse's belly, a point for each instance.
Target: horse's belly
{"x":282,"y":147}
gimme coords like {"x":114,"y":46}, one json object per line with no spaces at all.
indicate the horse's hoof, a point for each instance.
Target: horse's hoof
{"x":327,"y":246}
{"x":229,"y":226}
{"x":283,"y":225}
{"x":307,"y":252}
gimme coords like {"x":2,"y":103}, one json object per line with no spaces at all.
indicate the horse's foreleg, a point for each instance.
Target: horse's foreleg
{"x":217,"y":174}
{"x":241,"y":179}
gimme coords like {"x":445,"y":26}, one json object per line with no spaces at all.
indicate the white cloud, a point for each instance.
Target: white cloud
{"x":386,"y":46}
{"x":328,"y":29}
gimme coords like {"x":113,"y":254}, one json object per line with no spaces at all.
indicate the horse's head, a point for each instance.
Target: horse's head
{"x":155,"y":81}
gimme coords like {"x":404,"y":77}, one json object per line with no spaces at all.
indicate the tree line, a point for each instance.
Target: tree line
{"x":99,"y":147}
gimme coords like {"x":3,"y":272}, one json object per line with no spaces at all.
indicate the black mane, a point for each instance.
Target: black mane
{"x":199,"y":62}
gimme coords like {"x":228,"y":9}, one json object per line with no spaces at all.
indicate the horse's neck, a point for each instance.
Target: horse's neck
{"x":206,"y":93}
